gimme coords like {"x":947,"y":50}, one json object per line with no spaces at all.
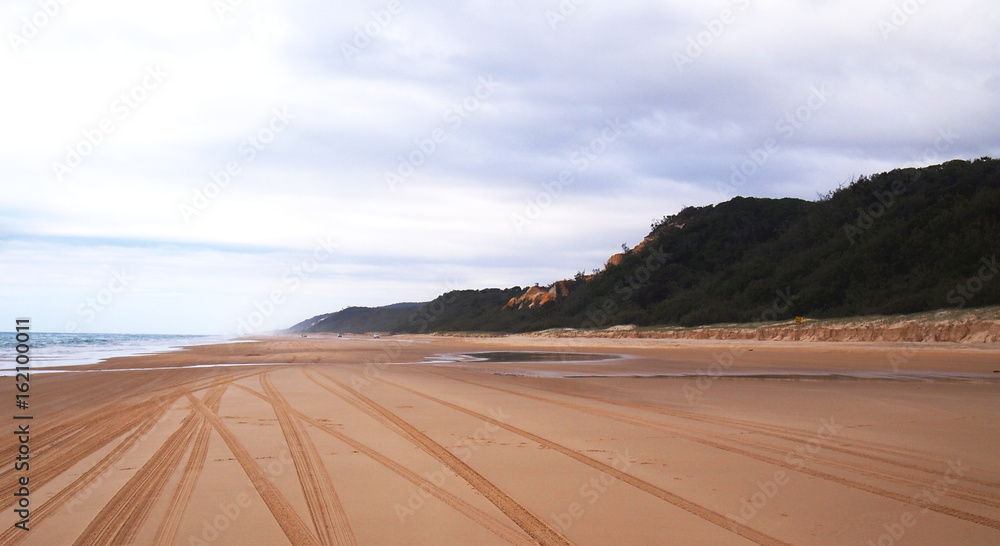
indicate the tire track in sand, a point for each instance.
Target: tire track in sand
{"x":14,"y":536}
{"x":842,"y":445}
{"x":706,"y":514}
{"x":286,"y":517}
{"x":123,"y":516}
{"x":59,"y":454}
{"x":328,"y":515}
{"x":81,"y":483}
{"x":62,"y":446}
{"x":526,"y":520}
{"x":166,"y":533}
{"x":957,"y":491}
{"x":495,"y":526}
{"x":701,"y":439}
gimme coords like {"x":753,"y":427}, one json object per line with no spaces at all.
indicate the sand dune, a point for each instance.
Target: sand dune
{"x":322,"y":440}
{"x":950,"y":326}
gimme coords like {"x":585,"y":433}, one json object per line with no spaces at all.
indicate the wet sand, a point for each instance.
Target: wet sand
{"x":322,"y":440}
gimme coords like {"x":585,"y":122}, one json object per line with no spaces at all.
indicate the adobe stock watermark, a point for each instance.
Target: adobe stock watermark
{"x":582,"y":159}
{"x":422,"y":319}
{"x":563,"y":12}
{"x":901,"y":356}
{"x":768,"y":489}
{"x":374,"y":368}
{"x":364,"y":35}
{"x":943,"y":142}
{"x":249,"y":149}
{"x":98,"y":480}
{"x":32,"y":25}
{"x":590,"y":492}
{"x":884,"y":200}
{"x":212,"y":527}
{"x":453,"y":118}
{"x":714,"y":28}
{"x":901,"y":14}
{"x":417,"y":496}
{"x":965,"y":291}
{"x":707,"y":377}
{"x":598,"y":316}
{"x":291,"y":280}
{"x":786,"y":126}
{"x":91,"y":306}
{"x":896,"y":530}
{"x":223,"y":8}
{"x":122,"y":107}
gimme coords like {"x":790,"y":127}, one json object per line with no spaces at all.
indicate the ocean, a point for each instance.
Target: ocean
{"x":62,"y":349}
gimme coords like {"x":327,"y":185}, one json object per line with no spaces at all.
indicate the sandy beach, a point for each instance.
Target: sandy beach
{"x":320,"y":440}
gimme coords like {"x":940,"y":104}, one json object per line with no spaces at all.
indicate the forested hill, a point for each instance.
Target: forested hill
{"x":905,"y":241}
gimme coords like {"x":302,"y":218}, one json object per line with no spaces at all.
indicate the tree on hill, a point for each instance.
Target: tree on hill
{"x":903,"y":241}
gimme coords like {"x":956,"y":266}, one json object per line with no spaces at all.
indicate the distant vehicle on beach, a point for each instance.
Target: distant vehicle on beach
{"x":376,"y":336}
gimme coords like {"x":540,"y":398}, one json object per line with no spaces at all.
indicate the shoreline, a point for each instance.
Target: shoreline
{"x":678,"y":355}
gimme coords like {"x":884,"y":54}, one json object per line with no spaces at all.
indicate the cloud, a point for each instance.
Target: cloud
{"x":382,"y":89}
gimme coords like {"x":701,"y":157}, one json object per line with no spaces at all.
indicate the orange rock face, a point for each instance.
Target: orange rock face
{"x":535,"y":296}
{"x":562,"y":288}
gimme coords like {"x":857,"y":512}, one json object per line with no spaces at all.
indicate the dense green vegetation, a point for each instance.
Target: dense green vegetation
{"x":899,"y":242}
{"x":360,"y":319}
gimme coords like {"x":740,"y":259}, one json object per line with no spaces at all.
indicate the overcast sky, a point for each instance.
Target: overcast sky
{"x":390,"y":151}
